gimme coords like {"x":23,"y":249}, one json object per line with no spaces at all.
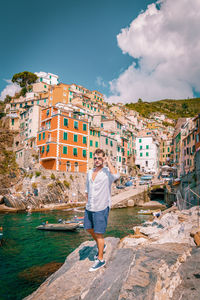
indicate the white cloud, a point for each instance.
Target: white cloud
{"x":10,"y":89}
{"x":165,"y":39}
{"x":100,"y":81}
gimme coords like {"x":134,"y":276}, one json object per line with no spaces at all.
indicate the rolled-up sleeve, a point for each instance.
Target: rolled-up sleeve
{"x":87,"y":185}
{"x":114,"y":177}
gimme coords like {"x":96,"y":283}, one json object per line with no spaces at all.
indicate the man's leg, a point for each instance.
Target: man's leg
{"x":100,"y":245}
{"x":91,"y":231}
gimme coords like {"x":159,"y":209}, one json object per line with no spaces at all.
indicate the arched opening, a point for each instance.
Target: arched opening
{"x":76,"y":167}
{"x":68,"y":166}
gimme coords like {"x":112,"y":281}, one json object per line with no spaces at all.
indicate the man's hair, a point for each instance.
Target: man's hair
{"x":99,"y":151}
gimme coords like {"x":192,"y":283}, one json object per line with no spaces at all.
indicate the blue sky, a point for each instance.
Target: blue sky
{"x":83,"y":42}
{"x":75,"y":39}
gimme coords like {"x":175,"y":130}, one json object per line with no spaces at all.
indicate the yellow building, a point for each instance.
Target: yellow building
{"x":165,"y":151}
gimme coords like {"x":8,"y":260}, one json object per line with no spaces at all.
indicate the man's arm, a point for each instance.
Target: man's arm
{"x":86,"y":188}
{"x":86,"y":197}
{"x":112,"y":169}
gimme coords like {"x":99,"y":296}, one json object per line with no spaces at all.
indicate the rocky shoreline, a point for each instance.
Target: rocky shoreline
{"x":152,"y":263}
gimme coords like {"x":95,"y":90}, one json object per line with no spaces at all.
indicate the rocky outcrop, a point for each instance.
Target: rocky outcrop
{"x":144,"y":270}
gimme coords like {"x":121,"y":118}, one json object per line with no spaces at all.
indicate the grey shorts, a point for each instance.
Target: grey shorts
{"x":96,"y":220}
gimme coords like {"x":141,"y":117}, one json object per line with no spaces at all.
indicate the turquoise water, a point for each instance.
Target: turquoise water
{"x":26,"y":250}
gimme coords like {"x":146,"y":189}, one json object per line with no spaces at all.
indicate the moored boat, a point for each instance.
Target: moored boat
{"x":149,"y":212}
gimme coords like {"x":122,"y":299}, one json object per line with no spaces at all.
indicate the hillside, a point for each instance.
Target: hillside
{"x":173,"y":109}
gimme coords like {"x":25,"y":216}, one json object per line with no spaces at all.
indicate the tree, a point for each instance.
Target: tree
{"x":139,"y":100}
{"x":24,"y":80}
{"x":7,"y":99}
{"x":184,"y":106}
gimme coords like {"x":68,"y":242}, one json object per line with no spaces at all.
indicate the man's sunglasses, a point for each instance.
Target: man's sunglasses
{"x":98,"y":158}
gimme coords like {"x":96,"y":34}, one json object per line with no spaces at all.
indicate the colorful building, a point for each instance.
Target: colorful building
{"x":63,"y":140}
{"x":147,"y":152}
{"x":165,"y":151}
{"x":94,"y":143}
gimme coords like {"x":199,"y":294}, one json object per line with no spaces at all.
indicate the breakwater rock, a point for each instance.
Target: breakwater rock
{"x":138,"y":267}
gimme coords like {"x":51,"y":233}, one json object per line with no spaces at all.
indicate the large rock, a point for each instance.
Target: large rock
{"x":190,"y":278}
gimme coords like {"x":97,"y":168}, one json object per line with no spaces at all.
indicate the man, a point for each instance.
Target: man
{"x":98,"y":195}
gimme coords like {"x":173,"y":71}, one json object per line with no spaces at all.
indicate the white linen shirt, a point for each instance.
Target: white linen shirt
{"x":99,"y":190}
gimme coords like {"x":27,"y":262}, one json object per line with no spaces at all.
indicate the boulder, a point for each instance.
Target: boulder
{"x":130,"y":203}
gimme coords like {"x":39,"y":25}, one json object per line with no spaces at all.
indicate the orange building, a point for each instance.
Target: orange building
{"x":63,"y":140}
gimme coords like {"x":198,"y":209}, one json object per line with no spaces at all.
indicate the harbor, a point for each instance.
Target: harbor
{"x":28,"y":256}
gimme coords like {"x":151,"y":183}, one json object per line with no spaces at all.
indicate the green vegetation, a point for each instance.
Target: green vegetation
{"x":31,"y":175}
{"x":71,"y":177}
{"x":67,"y":184}
{"x":37,"y":173}
{"x":34,"y":185}
{"x":50,"y":186}
{"x":173,"y":109}
{"x":44,"y":177}
{"x":53,"y":177}
{"x":24,"y":80}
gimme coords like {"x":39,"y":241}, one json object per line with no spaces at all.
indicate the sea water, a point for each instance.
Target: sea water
{"x":28,"y":256}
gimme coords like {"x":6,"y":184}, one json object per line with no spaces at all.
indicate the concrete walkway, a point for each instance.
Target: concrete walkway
{"x":126,"y":195}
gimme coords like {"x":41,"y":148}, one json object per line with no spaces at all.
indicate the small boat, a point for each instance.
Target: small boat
{"x":149,"y":212}
{"x":145,"y":212}
{"x":59,"y":227}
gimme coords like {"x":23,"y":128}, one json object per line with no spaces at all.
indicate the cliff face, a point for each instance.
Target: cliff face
{"x":9,"y":171}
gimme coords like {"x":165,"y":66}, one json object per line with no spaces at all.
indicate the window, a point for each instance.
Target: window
{"x":42,"y":149}
{"x":39,"y":136}
{"x":13,"y":121}
{"x":75,"y":124}
{"x":96,"y":144}
{"x":99,"y":134}
{"x":120,"y":159}
{"x":75,"y":138}
{"x":64,"y":150}
{"x":84,"y":153}
{"x":91,"y":143}
{"x":84,"y":127}
{"x":147,"y":146}
{"x":101,"y":125}
{"x":140,"y":154}
{"x":65,"y":136}
{"x":168,"y":149}
{"x":106,"y":141}
{"x":20,"y":104}
{"x":111,"y":143}
{"x":38,"y":102}
{"x":140,"y":140}
{"x":90,"y":154}
{"x":128,"y":153}
{"x":84,"y":140}
{"x":43,"y":135}
{"x":47,"y":112}
{"x":140,"y":147}
{"x":90,"y":132}
{"x":147,"y":153}
{"x":75,"y":151}
{"x":47,"y":148}
{"x":65,"y":122}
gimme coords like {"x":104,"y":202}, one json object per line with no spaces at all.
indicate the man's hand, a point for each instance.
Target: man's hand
{"x":106,"y":160}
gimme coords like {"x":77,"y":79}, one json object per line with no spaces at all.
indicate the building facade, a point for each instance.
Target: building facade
{"x":63,"y":141}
